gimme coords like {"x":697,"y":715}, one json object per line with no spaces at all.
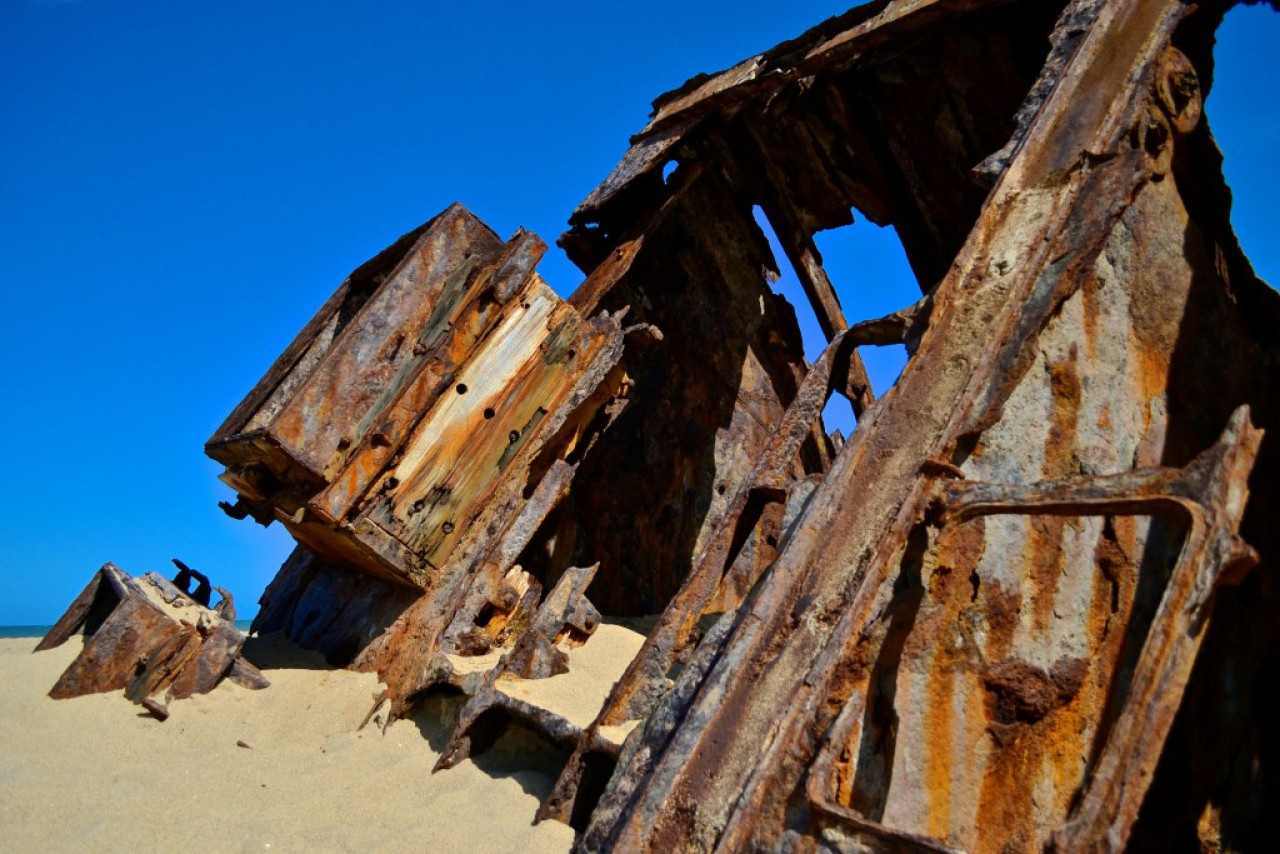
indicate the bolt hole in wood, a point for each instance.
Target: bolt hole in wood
{"x":462,"y":388}
{"x":488,"y":413}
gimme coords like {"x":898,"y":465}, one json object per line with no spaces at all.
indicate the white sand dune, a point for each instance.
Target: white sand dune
{"x":98,"y":774}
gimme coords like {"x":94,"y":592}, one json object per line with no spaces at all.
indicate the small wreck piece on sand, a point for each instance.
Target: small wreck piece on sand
{"x":149,"y":636}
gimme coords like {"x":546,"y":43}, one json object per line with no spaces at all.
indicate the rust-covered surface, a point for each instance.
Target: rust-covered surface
{"x":150,"y":637}
{"x":1027,"y":605}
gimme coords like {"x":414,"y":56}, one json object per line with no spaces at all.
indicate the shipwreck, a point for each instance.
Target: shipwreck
{"x":1027,"y":605}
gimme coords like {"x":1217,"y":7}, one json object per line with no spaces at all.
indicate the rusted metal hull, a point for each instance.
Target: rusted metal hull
{"x":1003,"y":615}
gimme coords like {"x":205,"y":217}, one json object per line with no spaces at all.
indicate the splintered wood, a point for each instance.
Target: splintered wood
{"x":1027,"y":605}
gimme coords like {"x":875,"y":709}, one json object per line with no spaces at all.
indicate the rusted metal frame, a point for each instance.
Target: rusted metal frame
{"x":1115,"y":181}
{"x":1137,"y":493}
{"x":639,"y":688}
{"x":905,"y":326}
{"x":797,"y":561}
{"x":1107,"y":130}
{"x":1207,"y":496}
{"x":1072,"y":24}
{"x":565,"y":613}
{"x":758,"y":77}
{"x":586,"y":297}
{"x":1210,"y":494}
{"x":831,"y":814}
{"x":915,"y":507}
{"x":797,"y":242}
{"x":827,"y":812}
{"x":643,"y":750}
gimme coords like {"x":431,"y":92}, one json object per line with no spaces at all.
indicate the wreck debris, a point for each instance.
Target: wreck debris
{"x":1012,"y":611}
{"x":564,"y":619}
{"x":148,"y":636}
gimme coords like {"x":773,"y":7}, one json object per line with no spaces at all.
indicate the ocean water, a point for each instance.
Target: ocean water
{"x":23,"y":631}
{"x":40,"y":631}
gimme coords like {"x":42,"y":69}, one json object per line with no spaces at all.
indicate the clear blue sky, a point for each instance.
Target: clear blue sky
{"x":185,"y":183}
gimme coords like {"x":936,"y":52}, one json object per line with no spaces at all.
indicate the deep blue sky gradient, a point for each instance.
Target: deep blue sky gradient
{"x":184,"y":184}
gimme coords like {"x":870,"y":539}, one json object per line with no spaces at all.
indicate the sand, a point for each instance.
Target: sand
{"x":98,"y":774}
{"x":577,"y":695}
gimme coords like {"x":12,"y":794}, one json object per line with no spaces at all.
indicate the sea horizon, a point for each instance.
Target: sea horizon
{"x":39,"y":631}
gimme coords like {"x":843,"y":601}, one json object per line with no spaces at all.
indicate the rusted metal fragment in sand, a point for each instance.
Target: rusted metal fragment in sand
{"x":565,"y":619}
{"x":148,"y":636}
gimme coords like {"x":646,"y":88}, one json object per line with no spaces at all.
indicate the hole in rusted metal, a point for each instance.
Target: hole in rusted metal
{"x":597,"y":768}
{"x":868,"y":267}
{"x":1247,"y":136}
{"x":782,"y":279}
{"x":838,"y":415}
